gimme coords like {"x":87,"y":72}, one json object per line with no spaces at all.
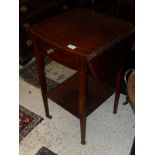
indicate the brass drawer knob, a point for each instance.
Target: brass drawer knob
{"x":23,"y":8}
{"x":49,"y":51}
{"x":26,"y":25}
{"x":29,"y":43}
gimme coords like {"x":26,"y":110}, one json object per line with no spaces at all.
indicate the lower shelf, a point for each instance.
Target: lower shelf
{"x":66,"y":94}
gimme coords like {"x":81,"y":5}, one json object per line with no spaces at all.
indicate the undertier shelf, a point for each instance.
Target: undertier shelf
{"x":66,"y":94}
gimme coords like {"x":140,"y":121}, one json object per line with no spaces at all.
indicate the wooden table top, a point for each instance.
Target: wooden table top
{"x":86,"y":31}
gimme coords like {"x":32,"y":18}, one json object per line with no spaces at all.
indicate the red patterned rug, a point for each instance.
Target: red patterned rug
{"x":27,"y":121}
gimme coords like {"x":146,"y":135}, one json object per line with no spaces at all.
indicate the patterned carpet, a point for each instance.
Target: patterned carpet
{"x":29,"y":74}
{"x":55,"y":74}
{"x":27,"y":121}
{"x":44,"y":151}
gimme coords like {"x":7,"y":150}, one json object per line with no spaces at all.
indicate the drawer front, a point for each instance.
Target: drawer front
{"x":59,"y":55}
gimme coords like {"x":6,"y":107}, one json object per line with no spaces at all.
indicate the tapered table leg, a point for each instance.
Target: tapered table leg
{"x":117,"y":89}
{"x":82,"y":83}
{"x":132,"y":152}
{"x":42,"y":79}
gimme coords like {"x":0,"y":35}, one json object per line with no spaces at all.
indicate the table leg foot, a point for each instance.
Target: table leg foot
{"x":114,"y":112}
{"x":83,"y":142}
{"x":49,"y":116}
{"x":126,"y":102}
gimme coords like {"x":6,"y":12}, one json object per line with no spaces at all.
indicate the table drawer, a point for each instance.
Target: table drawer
{"x":59,"y":55}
